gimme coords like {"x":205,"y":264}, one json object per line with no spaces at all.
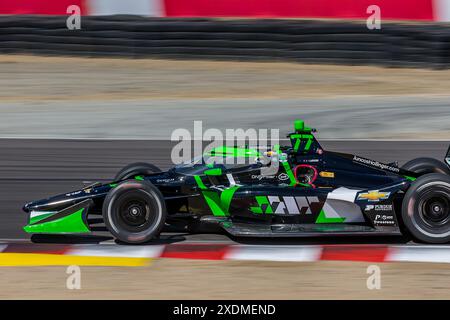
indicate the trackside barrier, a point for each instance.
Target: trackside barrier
{"x":305,"y":41}
{"x":417,"y":10}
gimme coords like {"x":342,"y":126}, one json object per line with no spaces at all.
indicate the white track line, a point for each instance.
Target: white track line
{"x":438,"y":254}
{"x":116,"y":251}
{"x":275,"y":253}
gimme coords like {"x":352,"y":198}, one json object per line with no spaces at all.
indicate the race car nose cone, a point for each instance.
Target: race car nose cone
{"x":27,"y":207}
{"x":30,"y":206}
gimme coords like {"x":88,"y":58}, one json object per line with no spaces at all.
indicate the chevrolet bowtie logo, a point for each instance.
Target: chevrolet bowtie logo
{"x":373,"y":195}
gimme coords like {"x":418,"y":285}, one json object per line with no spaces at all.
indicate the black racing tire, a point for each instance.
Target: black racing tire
{"x":134,"y":212}
{"x":136,"y":169}
{"x":426,"y":208}
{"x":426,"y":165}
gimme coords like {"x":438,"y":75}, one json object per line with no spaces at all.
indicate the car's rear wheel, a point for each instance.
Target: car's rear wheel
{"x":426,"y":208}
{"x":136,"y":169}
{"x":134,"y":211}
{"x":426,"y":165}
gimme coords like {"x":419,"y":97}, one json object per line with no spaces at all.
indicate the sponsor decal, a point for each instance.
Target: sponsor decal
{"x":261,"y":176}
{"x":374,"y":195}
{"x":384,"y":220}
{"x":309,"y":160}
{"x":73,"y":193}
{"x":283,"y":157}
{"x":165,"y":180}
{"x":326,"y":174}
{"x":378,"y":207}
{"x":375,"y":164}
{"x":287,"y":205}
{"x":281,"y":177}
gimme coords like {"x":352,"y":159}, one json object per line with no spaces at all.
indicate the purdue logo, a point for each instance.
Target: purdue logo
{"x":287,"y":205}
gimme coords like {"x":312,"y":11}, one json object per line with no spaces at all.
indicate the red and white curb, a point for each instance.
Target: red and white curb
{"x":208,"y":251}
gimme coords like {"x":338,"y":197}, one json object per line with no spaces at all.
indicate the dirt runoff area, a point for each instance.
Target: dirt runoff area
{"x":35,"y":78}
{"x":195,"y":279}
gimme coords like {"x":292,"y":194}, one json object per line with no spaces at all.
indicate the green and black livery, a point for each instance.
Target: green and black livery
{"x":287,"y":191}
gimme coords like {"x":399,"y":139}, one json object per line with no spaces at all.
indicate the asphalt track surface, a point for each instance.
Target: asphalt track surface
{"x":34,"y":169}
{"x":353,"y":117}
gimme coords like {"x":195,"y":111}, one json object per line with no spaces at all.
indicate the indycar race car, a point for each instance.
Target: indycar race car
{"x":286,"y":191}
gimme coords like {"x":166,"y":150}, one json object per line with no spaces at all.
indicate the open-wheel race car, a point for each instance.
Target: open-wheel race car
{"x":303,"y":190}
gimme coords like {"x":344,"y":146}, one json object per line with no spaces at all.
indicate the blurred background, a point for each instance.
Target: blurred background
{"x":83,"y":95}
{"x":353,"y":69}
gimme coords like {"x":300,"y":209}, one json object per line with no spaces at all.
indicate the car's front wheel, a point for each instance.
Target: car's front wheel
{"x":134,"y":211}
{"x":426,"y":208}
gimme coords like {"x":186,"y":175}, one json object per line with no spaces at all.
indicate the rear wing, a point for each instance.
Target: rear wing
{"x":447,"y":157}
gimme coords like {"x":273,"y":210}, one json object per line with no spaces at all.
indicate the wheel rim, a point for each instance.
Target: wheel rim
{"x":137,"y":212}
{"x":434,"y":208}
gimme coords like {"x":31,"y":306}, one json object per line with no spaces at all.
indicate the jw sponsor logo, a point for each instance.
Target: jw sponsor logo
{"x":287,"y":205}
